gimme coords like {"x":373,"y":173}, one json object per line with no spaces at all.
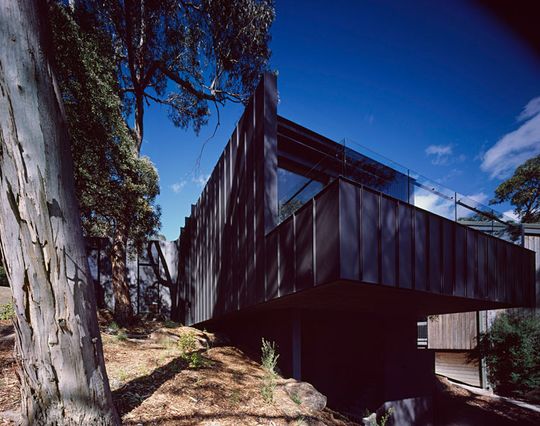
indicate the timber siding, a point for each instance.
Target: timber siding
{"x":453,"y":331}
{"x":457,"y":366}
{"x":532,"y":242}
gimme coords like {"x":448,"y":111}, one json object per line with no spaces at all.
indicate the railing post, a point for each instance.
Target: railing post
{"x":455,"y":207}
{"x":409,"y":186}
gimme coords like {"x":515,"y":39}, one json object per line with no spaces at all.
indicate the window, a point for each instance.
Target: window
{"x":294,"y":190}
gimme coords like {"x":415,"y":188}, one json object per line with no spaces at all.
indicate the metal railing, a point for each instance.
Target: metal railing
{"x":371,"y":169}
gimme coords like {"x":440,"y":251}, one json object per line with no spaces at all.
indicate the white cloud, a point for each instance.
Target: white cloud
{"x":442,"y":206}
{"x":517,"y":146}
{"x":480,"y":197}
{"x":439,"y":150}
{"x":530,"y":110}
{"x":440,"y":153}
{"x":178,"y":186}
{"x":435,"y":204}
{"x":512,"y":215}
{"x":201,"y":180}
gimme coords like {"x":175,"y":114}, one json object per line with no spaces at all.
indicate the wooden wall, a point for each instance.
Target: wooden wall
{"x":453,"y":331}
{"x":457,"y":366}
{"x":532,"y":242}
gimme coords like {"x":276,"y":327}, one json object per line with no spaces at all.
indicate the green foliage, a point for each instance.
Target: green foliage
{"x":383,"y":418}
{"x":187,"y":343}
{"x":188,"y":346}
{"x":287,"y":209}
{"x":511,"y":352}
{"x":187,"y":56}
{"x":121,"y":335}
{"x":115,"y":187}
{"x":386,"y":416}
{"x":118,"y":332}
{"x":7,"y":311}
{"x":523,"y":191}
{"x":296,"y":398}
{"x":269,"y":357}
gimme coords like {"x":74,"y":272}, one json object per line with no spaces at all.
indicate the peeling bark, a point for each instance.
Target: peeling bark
{"x":58,"y":345}
{"x":123,"y":309}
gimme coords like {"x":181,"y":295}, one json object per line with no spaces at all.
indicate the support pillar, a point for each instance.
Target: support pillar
{"x":296,"y":345}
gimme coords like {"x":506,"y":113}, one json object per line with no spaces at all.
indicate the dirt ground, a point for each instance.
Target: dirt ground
{"x":455,"y":406}
{"x":154,"y":385}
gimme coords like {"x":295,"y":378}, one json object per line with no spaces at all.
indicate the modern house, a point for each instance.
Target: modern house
{"x":312,"y":244}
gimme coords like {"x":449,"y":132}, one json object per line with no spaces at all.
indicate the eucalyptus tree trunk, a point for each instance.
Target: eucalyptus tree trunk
{"x":123,"y":309}
{"x":58,"y":345}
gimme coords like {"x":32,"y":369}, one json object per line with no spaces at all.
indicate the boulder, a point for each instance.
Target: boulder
{"x":203,"y":339}
{"x":306,"y":394}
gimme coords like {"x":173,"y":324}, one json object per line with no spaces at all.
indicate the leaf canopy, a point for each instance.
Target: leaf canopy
{"x":115,"y":187}
{"x":523,"y":191}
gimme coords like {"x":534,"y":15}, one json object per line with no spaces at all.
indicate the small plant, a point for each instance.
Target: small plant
{"x":234,"y":398}
{"x":121,"y":335}
{"x":187,"y":343}
{"x":296,"y":398}
{"x":301,"y":421}
{"x":7,"y":311}
{"x":372,"y":418}
{"x":188,"y":346}
{"x":114,"y":327}
{"x":386,"y":416}
{"x":269,"y":357}
{"x":123,"y":375}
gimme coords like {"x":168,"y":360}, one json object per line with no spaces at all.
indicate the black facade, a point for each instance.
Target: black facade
{"x":313,"y":245}
{"x":355,"y":238}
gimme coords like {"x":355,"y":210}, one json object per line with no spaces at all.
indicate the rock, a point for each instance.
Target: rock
{"x":370,"y":420}
{"x":306,"y":394}
{"x":163,"y":335}
{"x":203,"y":339}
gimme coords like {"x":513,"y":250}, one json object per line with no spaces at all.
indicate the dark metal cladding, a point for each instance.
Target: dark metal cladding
{"x":348,"y":240}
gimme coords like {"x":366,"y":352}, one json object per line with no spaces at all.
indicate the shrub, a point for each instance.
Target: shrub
{"x":511,"y":352}
{"x":121,"y":335}
{"x":187,"y":343}
{"x":269,"y":357}
{"x":188,"y":346}
{"x":7,"y":311}
{"x":371,"y":419}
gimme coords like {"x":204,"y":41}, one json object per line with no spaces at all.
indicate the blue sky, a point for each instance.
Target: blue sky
{"x":440,"y":87}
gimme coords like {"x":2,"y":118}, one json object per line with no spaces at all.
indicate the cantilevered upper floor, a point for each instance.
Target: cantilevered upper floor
{"x":291,"y":219}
